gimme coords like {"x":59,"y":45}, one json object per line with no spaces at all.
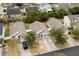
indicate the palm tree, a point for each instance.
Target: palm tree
{"x":58,"y":35}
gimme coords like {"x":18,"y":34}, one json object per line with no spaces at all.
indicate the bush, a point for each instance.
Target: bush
{"x":74,"y":10}
{"x":36,"y":16}
{"x":19,"y":4}
{"x":75,"y":33}
{"x":1,"y":41}
{"x":31,"y":40}
{"x":58,"y":35}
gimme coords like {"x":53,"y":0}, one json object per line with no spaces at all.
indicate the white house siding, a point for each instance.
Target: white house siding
{"x":46,"y":7}
{"x":66,"y":22}
{"x":15,"y":15}
{"x":1,"y":10}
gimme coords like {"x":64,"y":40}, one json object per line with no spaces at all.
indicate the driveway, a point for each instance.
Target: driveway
{"x":24,"y":52}
{"x":71,"y":41}
{"x":50,"y":44}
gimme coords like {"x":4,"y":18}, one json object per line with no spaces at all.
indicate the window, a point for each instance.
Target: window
{"x":47,"y":34}
{"x":41,"y":35}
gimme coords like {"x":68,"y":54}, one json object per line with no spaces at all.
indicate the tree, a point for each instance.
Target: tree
{"x":64,"y":11}
{"x":30,"y":38}
{"x":75,"y":33}
{"x":58,"y":35}
{"x":19,"y":4}
{"x":60,"y":14}
{"x":36,"y":16}
{"x":31,"y":17}
{"x":74,"y":10}
{"x":43,"y":16}
{"x":52,"y":14}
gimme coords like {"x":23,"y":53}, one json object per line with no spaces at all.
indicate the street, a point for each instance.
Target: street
{"x":73,"y":51}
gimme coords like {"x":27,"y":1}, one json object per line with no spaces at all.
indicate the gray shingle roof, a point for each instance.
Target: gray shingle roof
{"x":17,"y":27}
{"x":53,"y":23}
{"x":73,"y":17}
{"x":38,"y":27}
{"x":74,"y":4}
{"x":13,"y":11}
{"x":63,"y":5}
{"x":29,"y":8}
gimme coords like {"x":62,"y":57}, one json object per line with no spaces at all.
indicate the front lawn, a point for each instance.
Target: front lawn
{"x":75,"y":34}
{"x":13,"y":49}
{"x":1,"y":41}
{"x":27,"y":25}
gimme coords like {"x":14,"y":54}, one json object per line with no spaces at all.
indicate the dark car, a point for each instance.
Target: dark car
{"x":25,"y":46}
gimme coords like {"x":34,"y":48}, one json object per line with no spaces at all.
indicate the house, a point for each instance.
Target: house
{"x":70,"y":20}
{"x":1,"y":30}
{"x":58,"y":6}
{"x":74,"y":5}
{"x":13,"y":12}
{"x":29,"y":7}
{"x":45,"y":7}
{"x":1,"y":10}
{"x":54,"y":23}
{"x":17,"y":29}
{"x":6,"y":5}
{"x":40,"y":30}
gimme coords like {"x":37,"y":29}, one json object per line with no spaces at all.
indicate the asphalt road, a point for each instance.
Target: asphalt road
{"x":73,"y":51}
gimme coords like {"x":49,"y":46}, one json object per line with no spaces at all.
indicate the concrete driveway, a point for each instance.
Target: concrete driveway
{"x":24,"y":52}
{"x":50,"y":44}
{"x":71,"y":41}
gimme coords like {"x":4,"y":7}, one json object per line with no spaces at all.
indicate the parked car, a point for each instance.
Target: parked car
{"x":25,"y":46}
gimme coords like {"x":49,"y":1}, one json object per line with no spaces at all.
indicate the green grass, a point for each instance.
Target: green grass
{"x":27,"y":25}
{"x":7,"y":31}
{"x":1,"y":41}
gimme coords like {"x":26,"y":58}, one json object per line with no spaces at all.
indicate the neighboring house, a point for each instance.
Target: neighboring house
{"x":6,"y":5}
{"x":1,"y":30}
{"x":70,"y":20}
{"x":1,"y":10}
{"x":29,"y":9}
{"x":74,"y":5}
{"x":54,"y":23}
{"x":45,"y":7}
{"x":58,"y":6}
{"x":13,"y":12}
{"x":17,"y":29}
{"x":40,"y":30}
